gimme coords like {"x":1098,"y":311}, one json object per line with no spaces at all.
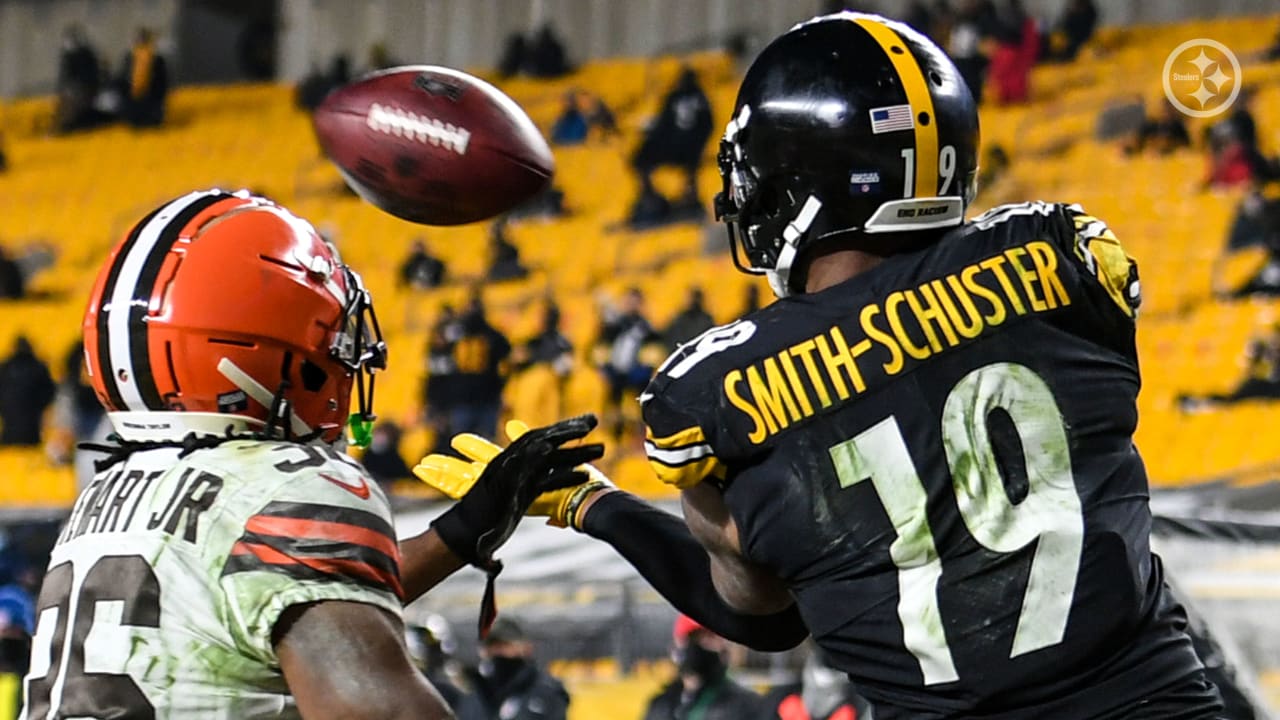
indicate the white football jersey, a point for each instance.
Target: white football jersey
{"x":170,"y":574}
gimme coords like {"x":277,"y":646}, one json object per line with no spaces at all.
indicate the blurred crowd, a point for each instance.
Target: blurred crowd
{"x":90,"y":94}
{"x":708,"y":682}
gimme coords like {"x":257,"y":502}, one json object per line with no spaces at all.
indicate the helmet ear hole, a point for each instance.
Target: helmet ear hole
{"x":768,"y":203}
{"x":313,"y":376}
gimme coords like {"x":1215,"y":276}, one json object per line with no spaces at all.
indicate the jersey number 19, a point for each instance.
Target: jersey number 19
{"x":1050,"y":512}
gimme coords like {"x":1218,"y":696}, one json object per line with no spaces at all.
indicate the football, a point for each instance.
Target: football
{"x":433,"y":145}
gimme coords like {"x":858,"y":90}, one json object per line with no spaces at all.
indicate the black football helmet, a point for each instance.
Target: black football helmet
{"x":847,"y":123}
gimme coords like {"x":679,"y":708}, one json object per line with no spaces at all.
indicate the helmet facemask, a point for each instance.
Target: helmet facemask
{"x":767,"y":220}
{"x":358,"y":346}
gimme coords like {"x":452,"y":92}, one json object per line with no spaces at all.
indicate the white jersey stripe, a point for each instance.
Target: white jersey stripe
{"x":678,"y":456}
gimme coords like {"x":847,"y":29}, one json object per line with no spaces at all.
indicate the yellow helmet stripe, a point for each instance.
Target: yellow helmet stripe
{"x":913,"y":81}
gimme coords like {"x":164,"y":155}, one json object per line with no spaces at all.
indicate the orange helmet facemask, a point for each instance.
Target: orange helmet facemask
{"x":224,"y":311}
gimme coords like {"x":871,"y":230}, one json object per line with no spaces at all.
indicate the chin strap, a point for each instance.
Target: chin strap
{"x":359,"y":430}
{"x":780,"y":275}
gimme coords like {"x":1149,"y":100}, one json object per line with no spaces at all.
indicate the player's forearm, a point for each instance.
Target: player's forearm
{"x":661,"y":548}
{"x":425,"y":561}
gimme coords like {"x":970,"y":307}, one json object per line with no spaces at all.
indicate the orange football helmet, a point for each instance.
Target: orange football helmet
{"x":223,"y":309}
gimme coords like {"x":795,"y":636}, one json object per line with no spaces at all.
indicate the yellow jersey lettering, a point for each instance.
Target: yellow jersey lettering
{"x":1028,"y":278}
{"x":772,"y":395}
{"x":931,"y":310}
{"x":1045,"y":261}
{"x":829,"y":361}
{"x":760,"y":431}
{"x":797,"y":388}
{"x":895,"y":322}
{"x":994,"y":265}
{"x":998,"y":313}
{"x":804,"y":351}
{"x":884,"y":338}
{"x":971,"y":328}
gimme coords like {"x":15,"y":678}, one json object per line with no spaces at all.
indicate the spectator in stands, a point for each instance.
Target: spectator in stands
{"x":382,"y":458}
{"x":1164,"y":134}
{"x":1233,"y":160}
{"x":421,"y":270}
{"x":676,"y":138}
{"x":26,"y":390}
{"x":549,"y":347}
{"x":601,"y":118}
{"x":508,"y":683}
{"x":551,"y":350}
{"x":17,"y":624}
{"x":546,"y":57}
{"x":623,"y":337}
{"x":1241,"y":127}
{"x":690,"y":322}
{"x":570,"y":127}
{"x":13,"y":285}
{"x":1266,"y":218}
{"x":1262,"y":377}
{"x":1074,"y":29}
{"x":702,"y":687}
{"x":1017,"y":43}
{"x":580,"y":114}
{"x":974,"y":25}
{"x":78,"y":417}
{"x":440,"y":392}
{"x":821,"y":694}
{"x":432,"y":645}
{"x":504,"y":256}
{"x":514,"y":50}
{"x":145,"y":78}
{"x":480,"y":363}
{"x":1257,"y":216}
{"x":316,"y":85}
{"x":1234,"y":157}
{"x":79,"y":79}
{"x":256,"y":49}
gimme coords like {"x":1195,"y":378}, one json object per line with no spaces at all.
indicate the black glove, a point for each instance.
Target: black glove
{"x":482,"y":520}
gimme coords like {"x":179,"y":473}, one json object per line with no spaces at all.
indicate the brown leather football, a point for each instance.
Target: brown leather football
{"x":433,"y":145}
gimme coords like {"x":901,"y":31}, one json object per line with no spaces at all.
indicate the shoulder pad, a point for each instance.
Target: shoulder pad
{"x":1099,"y":251}
{"x":678,"y":435}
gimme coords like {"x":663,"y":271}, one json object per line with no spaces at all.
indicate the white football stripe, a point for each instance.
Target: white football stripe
{"x":122,"y":295}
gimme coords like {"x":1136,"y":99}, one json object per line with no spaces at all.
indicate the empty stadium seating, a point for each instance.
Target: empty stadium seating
{"x":81,"y":192}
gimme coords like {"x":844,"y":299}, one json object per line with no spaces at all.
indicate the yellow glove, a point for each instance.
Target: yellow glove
{"x":454,"y":477}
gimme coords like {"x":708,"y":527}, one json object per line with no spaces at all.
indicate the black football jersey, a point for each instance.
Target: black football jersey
{"x":937,"y":457}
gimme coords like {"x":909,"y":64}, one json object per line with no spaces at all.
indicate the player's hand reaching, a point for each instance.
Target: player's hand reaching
{"x":502,"y":487}
{"x":455,"y":477}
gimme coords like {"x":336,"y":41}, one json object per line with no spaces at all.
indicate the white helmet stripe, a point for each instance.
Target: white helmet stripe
{"x":116,"y":307}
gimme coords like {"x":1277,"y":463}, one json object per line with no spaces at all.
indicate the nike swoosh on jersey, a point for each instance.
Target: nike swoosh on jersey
{"x":361,"y":490}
